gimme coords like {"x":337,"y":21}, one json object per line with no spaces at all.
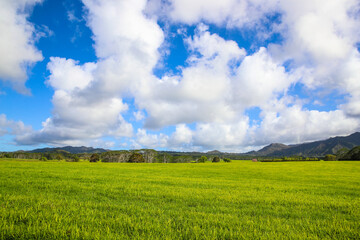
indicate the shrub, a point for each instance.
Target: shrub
{"x":202,"y":159}
{"x":43,"y":159}
{"x":94,"y":157}
{"x":216,"y":159}
{"x":227,"y":160}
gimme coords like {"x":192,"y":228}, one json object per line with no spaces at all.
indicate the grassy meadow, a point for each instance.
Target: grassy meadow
{"x":237,"y":200}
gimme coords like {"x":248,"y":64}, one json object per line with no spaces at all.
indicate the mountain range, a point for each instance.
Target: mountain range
{"x":310,"y":149}
{"x":71,"y":149}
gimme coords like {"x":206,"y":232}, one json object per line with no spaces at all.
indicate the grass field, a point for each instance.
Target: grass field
{"x":237,"y":200}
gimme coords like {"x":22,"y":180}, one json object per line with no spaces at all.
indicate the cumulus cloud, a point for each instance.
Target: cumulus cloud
{"x":139,"y":115}
{"x":143,"y":138}
{"x":219,"y":81}
{"x":17,"y":50}
{"x":12,"y":127}
{"x":202,"y":92}
{"x":287,"y":121}
{"x":78,"y":119}
{"x":259,"y":79}
{"x":182,"y":135}
{"x":319,"y":49}
{"x":88,"y":101}
{"x":180,"y":139}
{"x":232,"y":13}
{"x":321,"y":39}
{"x":222,"y":136}
{"x":68,"y":75}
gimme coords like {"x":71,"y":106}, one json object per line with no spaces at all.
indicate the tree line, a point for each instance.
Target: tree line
{"x":153,"y":156}
{"x":131,"y":156}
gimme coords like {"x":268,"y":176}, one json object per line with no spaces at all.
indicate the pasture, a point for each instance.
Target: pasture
{"x":237,"y":200}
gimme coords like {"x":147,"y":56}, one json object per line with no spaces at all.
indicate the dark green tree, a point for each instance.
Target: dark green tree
{"x":95,"y":157}
{"x":75,"y":158}
{"x":136,"y":158}
{"x":330,"y":157}
{"x":216,"y":159}
{"x":353,"y":154}
{"x":202,"y":159}
{"x":341,"y":153}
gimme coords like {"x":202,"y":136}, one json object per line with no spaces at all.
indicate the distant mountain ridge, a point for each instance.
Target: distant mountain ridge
{"x":270,"y":149}
{"x":214,"y":152}
{"x":310,"y":149}
{"x":70,"y":149}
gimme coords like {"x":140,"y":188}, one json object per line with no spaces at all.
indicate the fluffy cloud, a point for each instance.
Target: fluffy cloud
{"x":67,"y":75}
{"x":321,"y":39}
{"x":319,"y":36}
{"x":222,"y":136}
{"x":202,"y":92}
{"x":12,"y":127}
{"x":88,"y":101}
{"x":318,"y":48}
{"x":150,"y":140}
{"x":17,"y":50}
{"x":78,"y":115}
{"x":212,"y":89}
{"x":182,"y":137}
{"x":233,"y":13}
{"x":259,"y":79}
{"x":288,"y":122}
{"x":219,"y":81}
{"x":139,"y":115}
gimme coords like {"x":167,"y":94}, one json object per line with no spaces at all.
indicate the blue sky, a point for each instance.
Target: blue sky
{"x":231,"y":75}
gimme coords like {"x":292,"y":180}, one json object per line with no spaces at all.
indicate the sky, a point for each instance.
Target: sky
{"x":182,"y":75}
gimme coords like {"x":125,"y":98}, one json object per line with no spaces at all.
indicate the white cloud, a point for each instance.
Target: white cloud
{"x":233,"y":13}
{"x":150,"y":140}
{"x":349,"y":73}
{"x":17,"y":50}
{"x":78,"y":119}
{"x":318,"y":37}
{"x":219,"y":81}
{"x":182,"y":135}
{"x":67,"y":75}
{"x":293,"y":124}
{"x":12,"y":127}
{"x":139,"y":115}
{"x":88,"y":98}
{"x":203,"y":91}
{"x":180,"y":139}
{"x":320,"y":40}
{"x":222,"y":136}
{"x":72,"y":17}
{"x":260,"y":79}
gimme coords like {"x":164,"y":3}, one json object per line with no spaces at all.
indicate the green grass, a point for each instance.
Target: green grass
{"x":237,"y":200}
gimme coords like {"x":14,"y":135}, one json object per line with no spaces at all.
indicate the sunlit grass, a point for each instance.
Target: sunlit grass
{"x":237,"y":200}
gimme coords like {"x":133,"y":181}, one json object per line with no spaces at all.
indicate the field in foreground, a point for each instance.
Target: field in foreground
{"x":237,"y":200}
